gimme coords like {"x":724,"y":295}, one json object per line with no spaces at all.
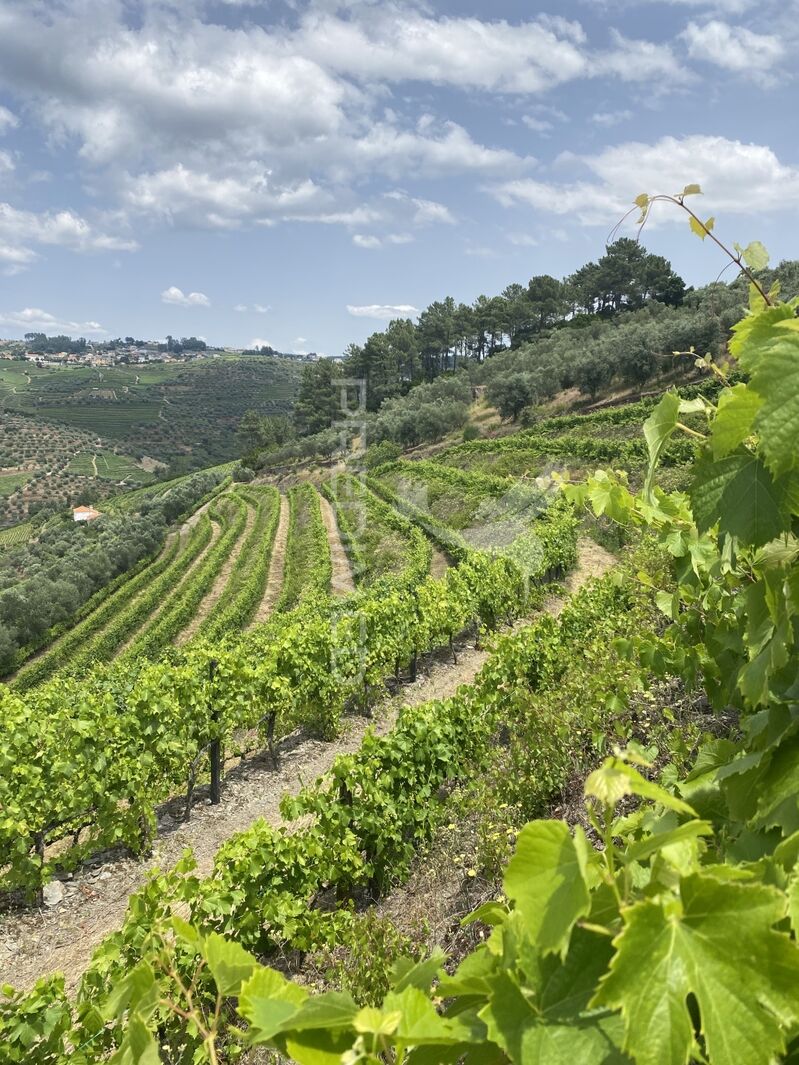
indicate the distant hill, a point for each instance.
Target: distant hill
{"x":83,"y":430}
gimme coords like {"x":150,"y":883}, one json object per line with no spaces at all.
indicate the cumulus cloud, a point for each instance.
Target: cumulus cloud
{"x":259,"y":342}
{"x":20,"y":229}
{"x":34,"y":319}
{"x":178,"y":298}
{"x":63,"y":228}
{"x":8,"y":120}
{"x":468,"y":53}
{"x":192,"y":122}
{"x":383,"y":311}
{"x":641,"y":61}
{"x":735,"y":48}
{"x":734,"y":176}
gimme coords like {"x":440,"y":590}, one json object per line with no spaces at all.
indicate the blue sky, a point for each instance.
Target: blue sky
{"x":297,"y":172}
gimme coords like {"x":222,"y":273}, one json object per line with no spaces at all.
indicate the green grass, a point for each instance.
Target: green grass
{"x":10,"y":482}
{"x":105,"y":419}
{"x":16,"y":534}
{"x":115,"y":467}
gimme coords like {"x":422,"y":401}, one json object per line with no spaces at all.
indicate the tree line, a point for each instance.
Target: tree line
{"x":614,"y":322}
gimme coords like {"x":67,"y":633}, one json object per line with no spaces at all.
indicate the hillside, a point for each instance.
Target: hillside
{"x":79,"y":434}
{"x":538,"y":676}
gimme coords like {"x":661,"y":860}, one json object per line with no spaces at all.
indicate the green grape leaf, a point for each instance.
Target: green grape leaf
{"x":546,"y":879}
{"x":549,"y":1035}
{"x":734,"y":419}
{"x":658,"y":428}
{"x":609,"y":497}
{"x":420,"y":1021}
{"x":328,"y":1010}
{"x":694,"y":945}
{"x":701,"y":229}
{"x":793,"y":902}
{"x":614,"y":780}
{"x":753,"y":333}
{"x":755,"y":255}
{"x":641,"y":200}
{"x":780,"y":783}
{"x":754,"y":677}
{"x":692,"y":190}
{"x":268,"y":1001}
{"x":739,"y":494}
{"x":775,"y":378}
{"x":407,"y":973}
{"x":230,"y":964}
{"x":318,"y":1047}
{"x":139,"y":1046}
{"x":138,"y":991}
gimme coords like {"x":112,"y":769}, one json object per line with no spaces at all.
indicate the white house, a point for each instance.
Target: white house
{"x":85,"y":514}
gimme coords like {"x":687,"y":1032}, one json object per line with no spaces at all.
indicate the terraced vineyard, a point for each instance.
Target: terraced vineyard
{"x":669,"y":842}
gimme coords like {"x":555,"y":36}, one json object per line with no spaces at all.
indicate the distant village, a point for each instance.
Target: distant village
{"x":63,"y":351}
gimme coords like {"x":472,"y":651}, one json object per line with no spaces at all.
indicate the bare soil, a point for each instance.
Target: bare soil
{"x":277,"y":566}
{"x":63,"y":938}
{"x":341,"y":582}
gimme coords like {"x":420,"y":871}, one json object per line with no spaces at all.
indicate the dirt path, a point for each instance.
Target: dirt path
{"x":189,"y":523}
{"x":439,"y":563}
{"x":94,"y":465}
{"x":277,"y":566}
{"x":341,"y":582}
{"x":219,"y":585}
{"x":63,"y":937}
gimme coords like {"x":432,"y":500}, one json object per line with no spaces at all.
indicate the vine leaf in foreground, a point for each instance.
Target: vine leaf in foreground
{"x":546,"y":878}
{"x":715,"y":942}
{"x":739,"y":494}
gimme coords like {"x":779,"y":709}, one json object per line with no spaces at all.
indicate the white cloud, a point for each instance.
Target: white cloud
{"x":641,"y":61}
{"x":735,"y":177}
{"x":13,"y":253}
{"x":259,"y":342}
{"x":176,"y":296}
{"x":361,"y":240}
{"x":8,"y":120}
{"x":20,"y":229}
{"x":610,"y":118}
{"x":537,"y":125}
{"x":383,"y":311}
{"x":63,"y":228}
{"x":523,"y":240}
{"x":469,"y":53}
{"x":35,"y":320}
{"x":732,"y":7}
{"x":261,"y":308}
{"x":300,"y":340}
{"x":193,"y":122}
{"x":240,"y":307}
{"x":735,"y":48}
